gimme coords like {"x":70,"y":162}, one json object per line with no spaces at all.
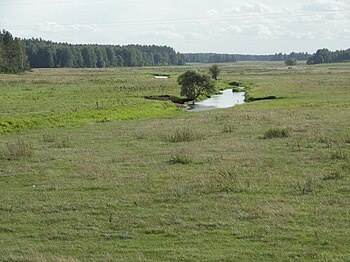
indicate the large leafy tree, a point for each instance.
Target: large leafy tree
{"x":194,"y":84}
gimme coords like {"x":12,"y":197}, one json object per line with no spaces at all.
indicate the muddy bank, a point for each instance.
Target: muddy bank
{"x":174,"y":99}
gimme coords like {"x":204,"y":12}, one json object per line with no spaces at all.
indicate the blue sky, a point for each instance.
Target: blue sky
{"x":223,"y":26}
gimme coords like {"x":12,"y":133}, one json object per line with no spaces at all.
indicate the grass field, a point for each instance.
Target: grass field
{"x":264,"y":181}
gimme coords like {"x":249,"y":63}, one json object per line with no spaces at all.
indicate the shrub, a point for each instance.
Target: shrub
{"x":291,"y":61}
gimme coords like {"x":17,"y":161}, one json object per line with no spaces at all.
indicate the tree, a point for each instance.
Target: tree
{"x":194,"y":84}
{"x":291,"y":61}
{"x":13,"y":58}
{"x":214,"y":71}
{"x":2,"y":55}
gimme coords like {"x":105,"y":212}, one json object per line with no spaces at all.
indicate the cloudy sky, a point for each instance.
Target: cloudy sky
{"x":223,"y":26}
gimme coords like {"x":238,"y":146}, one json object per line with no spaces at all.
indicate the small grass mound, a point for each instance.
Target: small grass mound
{"x":183,"y":135}
{"x":276,"y":133}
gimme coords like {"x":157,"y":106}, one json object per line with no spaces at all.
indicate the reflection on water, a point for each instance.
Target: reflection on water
{"x":227,"y":98}
{"x":161,"y":77}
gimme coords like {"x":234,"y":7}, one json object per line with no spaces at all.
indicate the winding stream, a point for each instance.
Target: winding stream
{"x":226,"y":99}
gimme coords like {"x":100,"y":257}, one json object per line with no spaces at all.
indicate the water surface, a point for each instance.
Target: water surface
{"x":161,"y":77}
{"x":226,"y":99}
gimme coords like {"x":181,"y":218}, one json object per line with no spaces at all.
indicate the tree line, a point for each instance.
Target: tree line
{"x":326,"y":56}
{"x":13,"y":58}
{"x":17,"y":55}
{"x":47,"y":54}
{"x":222,"y":58}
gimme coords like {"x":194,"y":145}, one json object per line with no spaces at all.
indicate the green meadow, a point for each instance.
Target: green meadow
{"x":92,"y":171}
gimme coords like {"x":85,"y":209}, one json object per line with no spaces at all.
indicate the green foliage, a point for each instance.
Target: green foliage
{"x":225,"y":58}
{"x":47,"y":54}
{"x":195,"y":84}
{"x":214,"y":71}
{"x":292,"y":61}
{"x":209,"y":58}
{"x":276,"y":133}
{"x":13,"y":58}
{"x":326,"y":56}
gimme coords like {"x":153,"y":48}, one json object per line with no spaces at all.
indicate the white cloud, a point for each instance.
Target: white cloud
{"x":249,"y":8}
{"x":212,"y":13}
{"x":162,"y":32}
{"x":55,"y":27}
{"x":324,"y":5}
{"x":250,"y":26}
{"x":257,"y":31}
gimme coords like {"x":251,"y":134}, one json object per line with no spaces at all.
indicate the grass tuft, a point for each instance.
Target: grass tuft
{"x":339,"y":155}
{"x":334,"y":176}
{"x":307,"y":187}
{"x":48,"y":138}
{"x":181,"y":158}
{"x":276,"y":133}
{"x":183,"y":135}
{"x":228,"y":128}
{"x":63,"y":143}
{"x":16,"y":150}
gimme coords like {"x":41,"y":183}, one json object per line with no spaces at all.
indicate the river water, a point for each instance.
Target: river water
{"x":226,"y":99}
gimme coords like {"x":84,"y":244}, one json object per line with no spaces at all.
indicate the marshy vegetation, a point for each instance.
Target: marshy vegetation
{"x":166,"y":185}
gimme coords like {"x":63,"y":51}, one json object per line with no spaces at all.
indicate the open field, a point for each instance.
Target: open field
{"x":267,"y":180}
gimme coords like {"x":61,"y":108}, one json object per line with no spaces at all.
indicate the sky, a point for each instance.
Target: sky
{"x":218,"y":26}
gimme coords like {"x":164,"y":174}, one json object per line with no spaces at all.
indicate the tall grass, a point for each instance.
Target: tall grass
{"x":183,"y":135}
{"x":276,"y":133}
{"x":16,"y":149}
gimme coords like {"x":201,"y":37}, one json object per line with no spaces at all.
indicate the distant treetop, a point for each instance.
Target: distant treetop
{"x":326,"y":56}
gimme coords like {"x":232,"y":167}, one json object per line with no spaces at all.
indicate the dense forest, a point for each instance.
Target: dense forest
{"x":49,"y":54}
{"x":326,"y":56}
{"x":13,"y":58}
{"x":18,"y":55}
{"x":222,"y":58}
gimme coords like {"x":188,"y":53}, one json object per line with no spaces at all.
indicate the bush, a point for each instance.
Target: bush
{"x":291,"y":61}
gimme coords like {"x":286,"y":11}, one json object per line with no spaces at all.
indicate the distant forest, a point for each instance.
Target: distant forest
{"x":49,"y":54}
{"x":17,"y":55}
{"x":326,"y":56}
{"x":223,"y":58}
